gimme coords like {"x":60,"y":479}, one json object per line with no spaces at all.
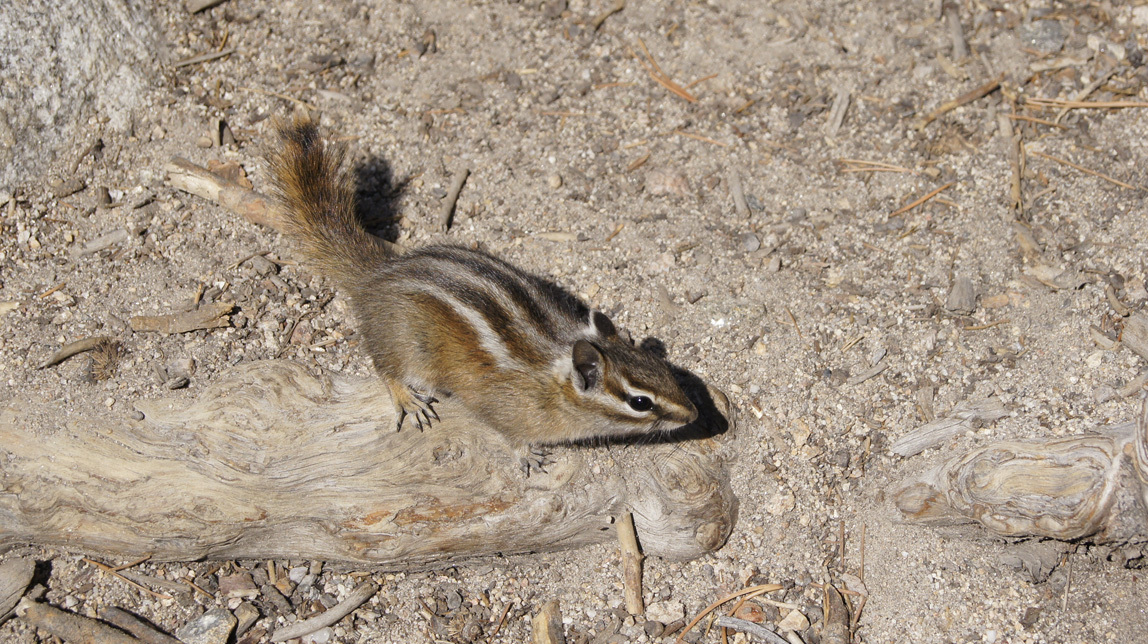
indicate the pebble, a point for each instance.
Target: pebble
{"x":554,"y":181}
{"x":1045,"y":36}
{"x":212,"y":627}
{"x":247,"y":615}
{"x":748,"y":242}
{"x":321,"y":636}
{"x":666,"y":611}
{"x":667,"y":182}
{"x":203,"y":142}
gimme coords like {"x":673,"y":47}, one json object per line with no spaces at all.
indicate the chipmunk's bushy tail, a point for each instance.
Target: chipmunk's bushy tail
{"x":317,"y":202}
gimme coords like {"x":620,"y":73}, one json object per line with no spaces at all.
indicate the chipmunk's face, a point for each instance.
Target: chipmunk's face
{"x":626,"y":389}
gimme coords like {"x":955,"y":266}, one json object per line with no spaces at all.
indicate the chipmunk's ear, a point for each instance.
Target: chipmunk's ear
{"x":603,"y":324}
{"x":587,"y":365}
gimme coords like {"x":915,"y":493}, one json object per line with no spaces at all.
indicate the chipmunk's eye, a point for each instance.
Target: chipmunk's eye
{"x":641,"y":403}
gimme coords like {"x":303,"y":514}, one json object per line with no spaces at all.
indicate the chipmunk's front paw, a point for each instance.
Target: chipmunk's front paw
{"x":534,"y":459}
{"x":415,"y":404}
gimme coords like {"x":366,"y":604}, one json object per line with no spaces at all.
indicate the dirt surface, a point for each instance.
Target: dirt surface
{"x":785,"y":306}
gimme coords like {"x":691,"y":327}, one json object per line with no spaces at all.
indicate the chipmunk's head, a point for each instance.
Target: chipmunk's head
{"x":624,"y":389}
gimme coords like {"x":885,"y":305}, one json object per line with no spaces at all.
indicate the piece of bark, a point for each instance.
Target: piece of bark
{"x":271,"y":462}
{"x":74,"y":348}
{"x":1090,"y":489}
{"x":1135,"y":334}
{"x":546,"y":626}
{"x":70,"y":627}
{"x":208,"y":316}
{"x":15,"y":576}
{"x":960,"y":420}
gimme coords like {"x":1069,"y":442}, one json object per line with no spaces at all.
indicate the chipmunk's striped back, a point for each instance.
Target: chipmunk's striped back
{"x":521,"y":353}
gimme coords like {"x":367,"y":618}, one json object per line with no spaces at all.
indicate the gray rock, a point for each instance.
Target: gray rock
{"x":1045,"y":36}
{"x":103,"y":56}
{"x":212,"y":627}
{"x":962,"y":296}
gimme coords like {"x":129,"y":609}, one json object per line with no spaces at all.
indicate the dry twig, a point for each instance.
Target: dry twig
{"x":356,"y":598}
{"x":963,"y":99}
{"x":934,"y":193}
{"x":1085,"y":170}
{"x":447,"y":214}
{"x":631,"y":564}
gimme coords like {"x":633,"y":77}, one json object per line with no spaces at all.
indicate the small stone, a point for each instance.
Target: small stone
{"x":653,"y":628}
{"x":178,"y":382}
{"x":321,"y":636}
{"x":238,"y":585}
{"x":1045,"y":36}
{"x":158,"y":133}
{"x":962,"y":296}
{"x":212,"y":627}
{"x":246,"y":616}
{"x":554,"y":9}
{"x":666,"y":611}
{"x":203,"y":142}
{"x":795,"y":621}
{"x":109,"y":402}
{"x":554,"y":181}
{"x":667,"y":182}
{"x":748,"y":242}
{"x":137,"y":414}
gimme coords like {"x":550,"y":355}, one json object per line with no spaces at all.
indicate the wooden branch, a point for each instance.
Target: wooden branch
{"x":1090,"y":488}
{"x":272,"y":462}
{"x":201,"y":182}
{"x":631,"y":565}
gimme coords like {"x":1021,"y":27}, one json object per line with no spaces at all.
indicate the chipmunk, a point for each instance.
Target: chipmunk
{"x":520,"y":353}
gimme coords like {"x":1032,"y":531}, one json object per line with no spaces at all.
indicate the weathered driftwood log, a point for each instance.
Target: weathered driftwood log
{"x":273,"y":462}
{"x":1090,"y":488}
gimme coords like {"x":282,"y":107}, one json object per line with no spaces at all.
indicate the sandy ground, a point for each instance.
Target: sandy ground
{"x":564,"y":131}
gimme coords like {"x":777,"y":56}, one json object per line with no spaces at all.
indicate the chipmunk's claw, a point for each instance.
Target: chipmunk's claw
{"x":409,"y":402}
{"x":534,"y":459}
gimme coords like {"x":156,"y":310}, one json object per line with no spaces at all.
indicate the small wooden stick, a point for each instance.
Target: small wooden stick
{"x":74,"y":348}
{"x":601,"y":18}
{"x":255,"y":207}
{"x":194,"y":60}
{"x":631,"y":564}
{"x":137,"y":627}
{"x":1033,"y":119}
{"x":1085,"y":105}
{"x":701,"y":80}
{"x":745,"y":626}
{"x":967,"y":97}
{"x":934,"y":193}
{"x":546,"y":625}
{"x":70,"y":627}
{"x":111,"y":571}
{"x":358,"y":597}
{"x":738,"y":193}
{"x":751,"y":591}
{"x":1085,"y":170}
{"x":639,"y":162}
{"x":1086,"y":91}
{"x":447,"y":215}
{"x":700,"y":138}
